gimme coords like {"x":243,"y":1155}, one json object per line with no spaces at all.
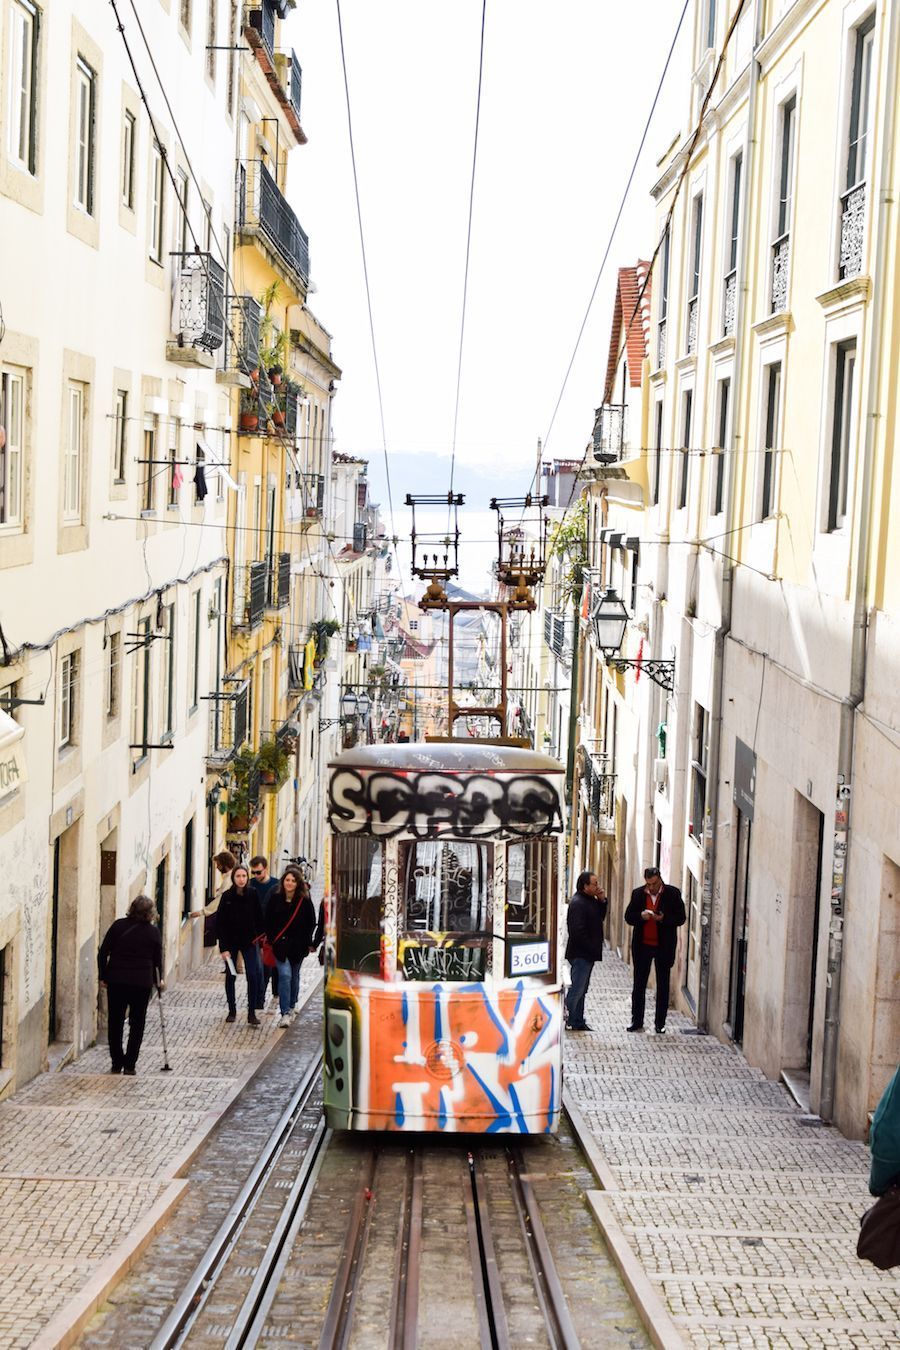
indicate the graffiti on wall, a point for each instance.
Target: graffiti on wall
{"x":450,"y":1058}
{"x":428,"y":805}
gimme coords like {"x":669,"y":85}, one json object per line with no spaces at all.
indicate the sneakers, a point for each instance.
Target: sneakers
{"x":660,"y":1031}
{"x":232,"y":1017}
{"x":284,"y":1020}
{"x":634,"y":1027}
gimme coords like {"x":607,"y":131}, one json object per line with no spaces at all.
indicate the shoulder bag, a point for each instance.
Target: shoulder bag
{"x":267,"y":948}
{"x":879,"y":1231}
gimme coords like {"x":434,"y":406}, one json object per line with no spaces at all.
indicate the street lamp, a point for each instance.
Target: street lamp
{"x":349,"y":706}
{"x":363,"y":706}
{"x":610,"y":619}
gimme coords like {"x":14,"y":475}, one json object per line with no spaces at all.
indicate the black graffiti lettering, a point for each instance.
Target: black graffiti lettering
{"x":433,"y":804}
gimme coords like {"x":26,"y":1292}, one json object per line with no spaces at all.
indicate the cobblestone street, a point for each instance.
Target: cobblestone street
{"x":89,"y":1161}
{"x":741,"y":1217}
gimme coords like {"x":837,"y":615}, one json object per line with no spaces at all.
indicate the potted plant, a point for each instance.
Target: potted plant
{"x":323,"y":630}
{"x":240,"y":802}
{"x":249,"y":409}
{"x":276,"y":412}
{"x":275,"y":373}
{"x":274,"y":763}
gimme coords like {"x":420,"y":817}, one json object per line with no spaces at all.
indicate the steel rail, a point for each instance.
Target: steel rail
{"x":492,"y":1323}
{"x":551,"y":1296}
{"x":338,"y":1322}
{"x":403,"y":1333}
{"x":202,"y":1280}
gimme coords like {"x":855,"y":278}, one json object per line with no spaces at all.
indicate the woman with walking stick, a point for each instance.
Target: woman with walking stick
{"x":130,"y":964}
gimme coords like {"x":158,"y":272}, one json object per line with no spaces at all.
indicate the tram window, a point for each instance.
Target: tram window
{"x":446,"y":887}
{"x":530,"y":891}
{"x":357,"y":879}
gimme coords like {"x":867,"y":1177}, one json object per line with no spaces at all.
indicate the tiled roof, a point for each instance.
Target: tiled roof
{"x":637,"y":344}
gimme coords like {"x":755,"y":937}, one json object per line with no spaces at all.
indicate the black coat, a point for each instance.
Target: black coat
{"x":585,"y":921}
{"x":673,"y":916}
{"x":239,"y":920}
{"x":297,"y":940}
{"x":131,"y":953}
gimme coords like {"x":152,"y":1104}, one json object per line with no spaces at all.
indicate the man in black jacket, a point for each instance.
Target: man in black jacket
{"x":655,"y":912}
{"x":587,"y":912}
{"x":130,"y":964}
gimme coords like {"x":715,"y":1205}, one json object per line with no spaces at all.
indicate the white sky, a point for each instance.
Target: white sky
{"x":566,"y":90}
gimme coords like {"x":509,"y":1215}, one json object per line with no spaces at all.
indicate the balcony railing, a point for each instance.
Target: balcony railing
{"x":558,"y":635}
{"x":610,"y":432}
{"x":288,"y":400}
{"x":280,"y":581}
{"x":199,"y":301}
{"x":853,"y":222}
{"x":228,"y":723}
{"x":244,"y":315}
{"x":294,"y":83}
{"x":729,"y":303}
{"x":261,"y":19}
{"x":660,"y":344}
{"x":781,"y":257}
{"x":251,"y":592}
{"x":693,"y":314}
{"x":295,"y":667}
{"x":313,"y":495}
{"x":598,"y":791}
{"x":360,"y":537}
{"x":261,"y":208}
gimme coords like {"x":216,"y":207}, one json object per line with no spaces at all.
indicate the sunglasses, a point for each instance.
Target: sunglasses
{"x":256,"y":872}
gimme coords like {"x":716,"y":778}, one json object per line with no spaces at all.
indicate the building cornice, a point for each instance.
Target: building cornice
{"x":775,"y":325}
{"x":773,"y":45}
{"x":846,"y":295}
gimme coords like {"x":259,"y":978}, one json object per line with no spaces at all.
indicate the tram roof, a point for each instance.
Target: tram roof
{"x":471,"y":756}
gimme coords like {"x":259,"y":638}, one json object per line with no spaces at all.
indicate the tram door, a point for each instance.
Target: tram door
{"x":740,"y":929}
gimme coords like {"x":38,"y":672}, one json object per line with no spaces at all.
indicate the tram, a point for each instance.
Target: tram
{"x":443,"y":959}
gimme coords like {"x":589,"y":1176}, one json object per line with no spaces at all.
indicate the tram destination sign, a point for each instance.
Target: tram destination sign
{"x":529,"y":958}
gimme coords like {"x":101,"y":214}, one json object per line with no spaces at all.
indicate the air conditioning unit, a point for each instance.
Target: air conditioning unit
{"x":660,"y":772}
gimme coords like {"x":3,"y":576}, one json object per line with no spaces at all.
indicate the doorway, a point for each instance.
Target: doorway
{"x":62,"y":983}
{"x":802,"y":936}
{"x":740,"y":928}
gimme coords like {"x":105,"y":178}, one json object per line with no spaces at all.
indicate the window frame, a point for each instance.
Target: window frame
{"x":85,"y":155}
{"x":12,"y":454}
{"x":73,"y":458}
{"x":840,"y":441}
{"x":772,"y":411}
{"x":148,"y":487}
{"x":129,"y":151}
{"x":196,"y":603}
{"x":687,"y":420}
{"x":167,"y":730}
{"x":67,"y":695}
{"x":113,"y":675}
{"x":120,"y":436}
{"x":21,"y":122}
{"x":722,"y":444}
{"x":157,"y":203}
{"x":657,"y":449}
{"x":858,"y":128}
{"x":787,"y":159}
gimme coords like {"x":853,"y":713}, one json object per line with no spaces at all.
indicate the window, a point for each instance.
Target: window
{"x":120,"y":436}
{"x":710,"y":23}
{"x":168,"y":684}
{"x":717,"y":486}
{"x":663,"y":300}
{"x":22,"y":84}
{"x":657,"y":453}
{"x":211,"y":39}
{"x":207,"y":226}
{"x":180,"y":230}
{"x":769,"y":468}
{"x":186,"y":15}
{"x":128,"y":152}
{"x":446,"y":887}
{"x":67,"y":701}
{"x":140,"y":727}
{"x":187,"y":871}
{"x":729,"y":299}
{"x":232,"y":50}
{"x":414,"y":625}
{"x":781,"y":242}
{"x":174,"y":474}
{"x":530,"y":891}
{"x":85,"y":134}
{"x":696,"y":257}
{"x":357,"y":883}
{"x":157,"y":202}
{"x":160,"y":889}
{"x":699,"y":767}
{"x":687,"y":408}
{"x":74,"y":454}
{"x":194,"y":678}
{"x":12,"y":443}
{"x":857,"y":149}
{"x":113,"y":672}
{"x":148,"y":498}
{"x":841,"y":433}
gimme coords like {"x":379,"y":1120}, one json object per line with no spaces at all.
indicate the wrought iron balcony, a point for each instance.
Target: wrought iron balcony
{"x":313,"y":495}
{"x":259,"y":19}
{"x":853,"y":223}
{"x":360,"y":537}
{"x":781,"y":257}
{"x":287,"y":400}
{"x":729,"y":303}
{"x":228,"y":723}
{"x":660,"y":344}
{"x":559,"y":635}
{"x":598,"y":791}
{"x":280,"y":580}
{"x":294,"y":83}
{"x":244,"y":315}
{"x":295,"y":667}
{"x":610,"y":432}
{"x":199,"y":301}
{"x":251,"y":592}
{"x":261,"y":209}
{"x":693,"y":315}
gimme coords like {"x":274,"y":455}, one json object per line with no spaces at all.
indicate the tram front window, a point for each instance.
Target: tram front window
{"x":446,"y":887}
{"x":530,"y":895}
{"x":357,"y":879}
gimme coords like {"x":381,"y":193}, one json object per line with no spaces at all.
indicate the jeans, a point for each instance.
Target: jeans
{"x":288,"y":984}
{"x":131,"y":999}
{"x":254,"y":970}
{"x":644,"y":958}
{"x":581,"y":978}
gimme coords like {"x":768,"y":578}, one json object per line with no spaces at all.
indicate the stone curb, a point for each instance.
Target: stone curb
{"x":69,"y":1321}
{"x":652,"y":1311}
{"x":67,"y":1324}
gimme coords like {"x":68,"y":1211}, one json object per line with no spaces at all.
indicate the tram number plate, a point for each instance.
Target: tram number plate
{"x":529,"y":958}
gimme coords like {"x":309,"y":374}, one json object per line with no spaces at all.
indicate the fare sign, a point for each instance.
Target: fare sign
{"x":529,"y":958}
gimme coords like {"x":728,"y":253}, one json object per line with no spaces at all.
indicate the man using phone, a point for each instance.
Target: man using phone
{"x":587,"y":912}
{"x":655,"y":912}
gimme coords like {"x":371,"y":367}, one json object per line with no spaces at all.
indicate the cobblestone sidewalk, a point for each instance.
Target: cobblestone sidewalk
{"x":743,"y":1217}
{"x":85,"y":1155}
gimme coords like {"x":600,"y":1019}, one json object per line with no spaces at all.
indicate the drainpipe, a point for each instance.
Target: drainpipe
{"x":710,"y":830}
{"x":859,"y":637}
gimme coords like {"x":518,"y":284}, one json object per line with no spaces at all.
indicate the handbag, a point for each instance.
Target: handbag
{"x":879,"y":1231}
{"x":267,"y":948}
{"x":209,"y":930}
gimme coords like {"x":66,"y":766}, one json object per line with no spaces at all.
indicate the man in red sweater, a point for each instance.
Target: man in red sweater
{"x":655,"y":912}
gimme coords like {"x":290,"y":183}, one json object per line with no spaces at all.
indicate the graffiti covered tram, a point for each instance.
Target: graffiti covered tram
{"x":443,"y":961}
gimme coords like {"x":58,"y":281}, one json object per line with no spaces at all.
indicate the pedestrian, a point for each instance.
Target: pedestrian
{"x":239,"y":923}
{"x":655,"y":912}
{"x":319,"y":935}
{"x":265,"y":887}
{"x":884,"y":1139}
{"x":290,"y":923}
{"x":585,"y":919}
{"x":130,"y":964}
{"x":224,"y":864}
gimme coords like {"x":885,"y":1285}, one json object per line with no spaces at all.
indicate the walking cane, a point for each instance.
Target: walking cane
{"x":166,"y":1068}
